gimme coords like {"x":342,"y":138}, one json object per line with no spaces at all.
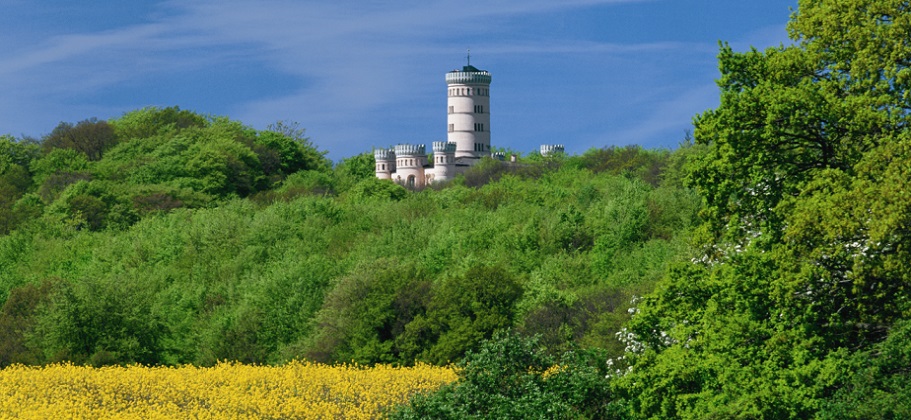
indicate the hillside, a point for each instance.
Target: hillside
{"x":166,"y":237}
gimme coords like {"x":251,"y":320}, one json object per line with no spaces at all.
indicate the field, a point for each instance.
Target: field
{"x":227,"y":390}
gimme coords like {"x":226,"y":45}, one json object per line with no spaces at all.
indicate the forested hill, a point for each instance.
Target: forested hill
{"x":760,"y":271}
{"x":165,"y":237}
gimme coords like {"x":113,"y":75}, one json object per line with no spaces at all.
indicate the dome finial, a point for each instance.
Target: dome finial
{"x":469,"y":56}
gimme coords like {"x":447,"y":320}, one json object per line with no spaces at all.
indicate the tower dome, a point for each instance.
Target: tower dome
{"x":468,"y":116}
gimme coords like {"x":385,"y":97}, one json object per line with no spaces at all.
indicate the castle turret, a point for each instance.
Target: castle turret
{"x":549,"y":149}
{"x":385,"y":163}
{"x":469,"y":112}
{"x":410,"y":160}
{"x":444,"y":167}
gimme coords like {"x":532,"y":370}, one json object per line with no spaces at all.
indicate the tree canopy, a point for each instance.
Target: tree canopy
{"x":803,"y":269}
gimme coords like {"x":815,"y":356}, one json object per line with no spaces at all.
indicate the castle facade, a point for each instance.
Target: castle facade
{"x":467,"y":139}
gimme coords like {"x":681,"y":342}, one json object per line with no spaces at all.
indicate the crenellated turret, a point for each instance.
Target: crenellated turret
{"x":444,"y":167}
{"x":385,"y":163}
{"x":549,"y":149}
{"x":410,"y":150}
{"x":410,"y":161}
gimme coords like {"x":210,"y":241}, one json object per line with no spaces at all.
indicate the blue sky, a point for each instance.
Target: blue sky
{"x":370,"y":73}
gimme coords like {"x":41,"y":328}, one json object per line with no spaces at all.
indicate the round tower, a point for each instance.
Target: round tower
{"x":550,"y":149}
{"x":444,"y":167}
{"x":385,"y":163}
{"x":469,"y":112}
{"x":409,"y":163}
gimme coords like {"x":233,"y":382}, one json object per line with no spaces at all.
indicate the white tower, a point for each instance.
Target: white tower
{"x":385,"y":163}
{"x":409,"y":165}
{"x":469,"y":112}
{"x":443,"y":161}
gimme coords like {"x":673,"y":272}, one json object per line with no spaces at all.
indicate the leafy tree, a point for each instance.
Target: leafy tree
{"x":366,"y":311}
{"x":313,"y":158}
{"x":17,"y":322}
{"x":354,"y":169}
{"x":99,"y":322}
{"x":803,"y":261}
{"x":376,"y":189}
{"x":58,"y":161}
{"x":153,"y":121}
{"x":462,"y":312}
{"x":91,"y":137}
{"x":513,"y":377}
{"x":13,"y":152}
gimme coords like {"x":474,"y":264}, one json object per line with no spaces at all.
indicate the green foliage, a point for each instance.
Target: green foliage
{"x":512,"y":377}
{"x":878,"y":385}
{"x":355,"y":169}
{"x":90,"y":137}
{"x":797,"y":303}
{"x":58,"y":161}
{"x":154,"y":121}
{"x":647,"y":165}
{"x":198,"y":239}
{"x":101,"y":322}
{"x":17,"y":322}
{"x":373,"y":189}
{"x":462,"y":312}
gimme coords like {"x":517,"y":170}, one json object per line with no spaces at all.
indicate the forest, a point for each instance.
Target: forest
{"x":759,"y":270}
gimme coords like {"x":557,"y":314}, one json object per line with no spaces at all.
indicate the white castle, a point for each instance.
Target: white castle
{"x":467,"y":139}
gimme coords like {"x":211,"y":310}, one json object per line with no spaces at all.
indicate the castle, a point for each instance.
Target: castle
{"x":467,"y":140}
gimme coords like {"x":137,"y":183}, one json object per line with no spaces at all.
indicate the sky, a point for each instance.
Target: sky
{"x":370,"y":73}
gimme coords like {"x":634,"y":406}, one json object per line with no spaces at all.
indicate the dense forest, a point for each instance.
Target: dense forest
{"x":760,"y":270}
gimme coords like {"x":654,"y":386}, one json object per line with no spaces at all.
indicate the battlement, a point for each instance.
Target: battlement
{"x":410,"y":150}
{"x":549,"y":149}
{"x":468,"y":76}
{"x":498,"y":156}
{"x":384,"y":154}
{"x":444,"y":147}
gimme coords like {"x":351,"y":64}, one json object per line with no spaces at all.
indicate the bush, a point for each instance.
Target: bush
{"x":513,"y":377}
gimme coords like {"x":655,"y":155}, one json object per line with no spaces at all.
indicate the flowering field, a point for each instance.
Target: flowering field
{"x":294,"y":390}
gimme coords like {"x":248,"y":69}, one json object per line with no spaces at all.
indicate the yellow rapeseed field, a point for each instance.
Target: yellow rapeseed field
{"x":225,"y":391}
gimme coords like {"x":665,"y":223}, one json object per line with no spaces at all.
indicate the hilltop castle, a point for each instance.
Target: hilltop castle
{"x":467,"y":140}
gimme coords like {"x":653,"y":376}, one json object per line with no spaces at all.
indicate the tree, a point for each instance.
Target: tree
{"x":152,"y":121}
{"x":462,"y":312}
{"x":91,"y":137}
{"x":804,"y":252}
{"x":513,"y":377}
{"x":354,"y":169}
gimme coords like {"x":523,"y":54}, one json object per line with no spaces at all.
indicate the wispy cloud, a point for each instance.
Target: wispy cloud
{"x":360,"y":65}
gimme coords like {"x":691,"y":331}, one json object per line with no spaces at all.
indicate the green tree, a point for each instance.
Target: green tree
{"x":91,"y":137}
{"x":152,"y":121}
{"x":804,"y":253}
{"x":354,"y":169}
{"x":513,"y":377}
{"x":462,"y":312}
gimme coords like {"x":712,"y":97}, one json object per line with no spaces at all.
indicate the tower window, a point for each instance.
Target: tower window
{"x":451,"y":127}
{"x":451,"y":109}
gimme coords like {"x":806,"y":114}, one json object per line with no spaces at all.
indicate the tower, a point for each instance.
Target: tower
{"x":444,"y":168}
{"x":469,"y":112}
{"x":409,"y":165}
{"x":385,"y":163}
{"x":550,"y":149}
